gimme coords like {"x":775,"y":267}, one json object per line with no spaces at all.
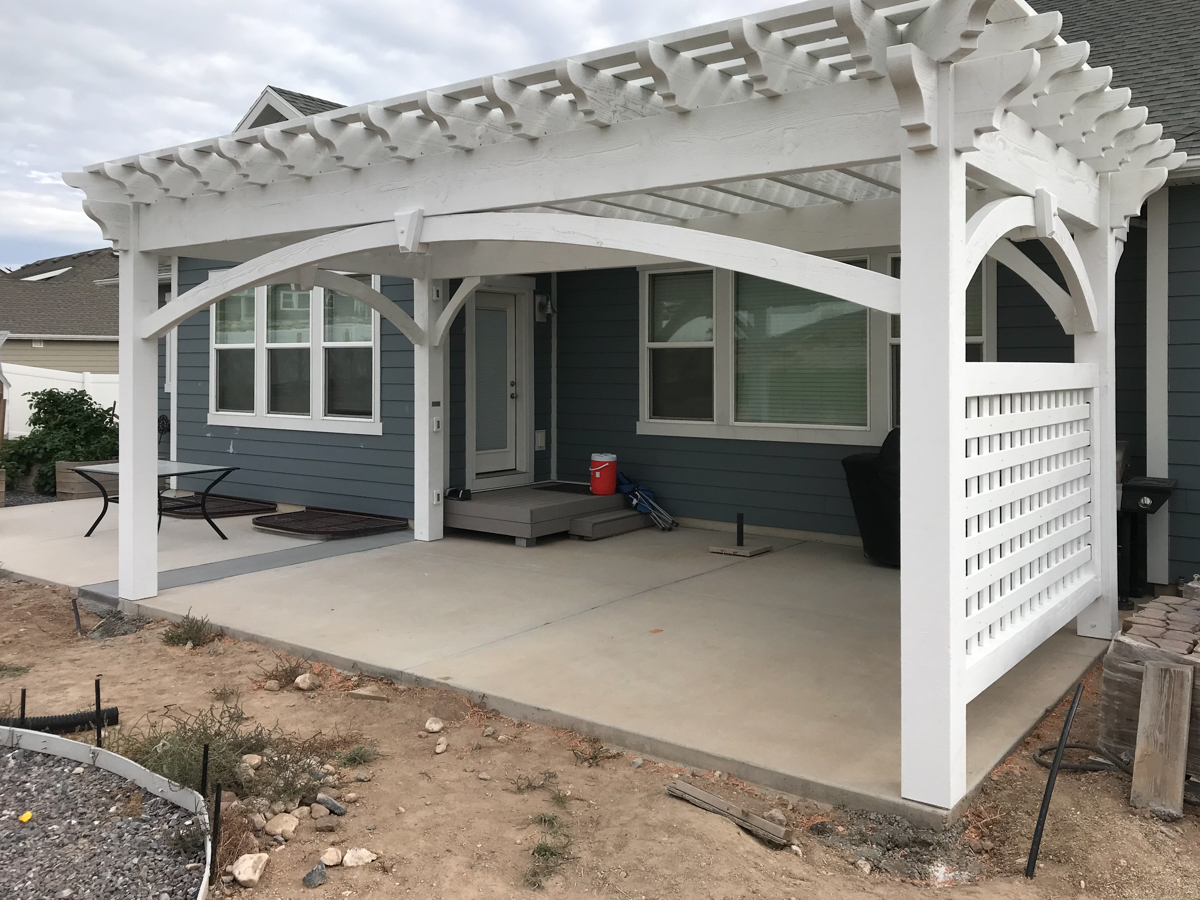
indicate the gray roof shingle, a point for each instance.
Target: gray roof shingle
{"x":306,"y":104}
{"x":1153,"y":47}
{"x":67,"y":304}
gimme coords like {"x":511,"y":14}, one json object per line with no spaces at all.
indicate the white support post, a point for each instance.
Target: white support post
{"x":137,"y":408}
{"x":1100,"y":249}
{"x":1158,"y":526}
{"x":429,"y":412}
{"x":932,"y":298}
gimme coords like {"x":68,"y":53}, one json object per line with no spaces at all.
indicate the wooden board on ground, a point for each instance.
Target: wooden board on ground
{"x":1162,"y":739}
{"x":1121,"y":698}
{"x":742,"y":551}
{"x":758,"y":826}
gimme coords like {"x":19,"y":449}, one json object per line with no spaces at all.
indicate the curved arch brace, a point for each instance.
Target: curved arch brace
{"x":457,"y":302}
{"x":344,"y":284}
{"x":295,"y":261}
{"x":814,"y":273}
{"x":993,"y":222}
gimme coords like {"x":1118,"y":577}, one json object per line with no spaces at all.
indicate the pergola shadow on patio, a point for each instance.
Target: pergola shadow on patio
{"x":783,"y":669}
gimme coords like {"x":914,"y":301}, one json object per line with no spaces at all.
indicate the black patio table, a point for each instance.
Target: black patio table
{"x":166,"y":469}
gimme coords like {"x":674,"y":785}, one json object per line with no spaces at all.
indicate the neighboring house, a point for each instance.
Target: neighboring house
{"x":687,"y":251}
{"x":62,"y":312}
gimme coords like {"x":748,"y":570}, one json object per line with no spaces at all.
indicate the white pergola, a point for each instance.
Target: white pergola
{"x":947,"y":127}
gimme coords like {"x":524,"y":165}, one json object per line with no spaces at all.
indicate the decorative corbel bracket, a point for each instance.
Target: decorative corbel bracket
{"x":949,"y":30}
{"x":408,"y":230}
{"x":869,"y":35}
{"x":983,"y":89}
{"x":914,"y":77}
{"x":601,"y":99}
{"x":1128,"y":191}
{"x":114,"y":220}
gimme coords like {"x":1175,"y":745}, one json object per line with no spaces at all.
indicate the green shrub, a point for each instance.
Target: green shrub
{"x":63,"y":425}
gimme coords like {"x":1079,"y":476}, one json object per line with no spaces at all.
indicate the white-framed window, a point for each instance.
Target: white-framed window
{"x":735,"y":356}
{"x":980,"y":327}
{"x":293,"y":359}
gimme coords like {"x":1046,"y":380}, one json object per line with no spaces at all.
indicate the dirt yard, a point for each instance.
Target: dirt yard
{"x":465,"y":823}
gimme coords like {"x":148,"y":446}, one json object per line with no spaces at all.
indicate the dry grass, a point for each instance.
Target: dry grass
{"x":190,"y":630}
{"x":285,"y":670}
{"x":549,"y":853}
{"x":12,"y":670}
{"x":593,"y":752}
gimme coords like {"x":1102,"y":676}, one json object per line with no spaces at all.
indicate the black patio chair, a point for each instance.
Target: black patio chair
{"x":874,"y":483}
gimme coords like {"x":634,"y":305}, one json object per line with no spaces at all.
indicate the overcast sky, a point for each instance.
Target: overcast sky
{"x":83,"y":82}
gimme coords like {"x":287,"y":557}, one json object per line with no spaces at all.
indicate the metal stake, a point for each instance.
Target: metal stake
{"x":216,"y":836}
{"x":204,"y":773}
{"x":21,"y":724}
{"x":78,"y":624}
{"x":99,"y":718}
{"x":1031,"y":865}
{"x":741,"y":529}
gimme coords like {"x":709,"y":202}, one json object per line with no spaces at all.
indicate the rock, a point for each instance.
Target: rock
{"x":226,"y":879}
{"x":368,"y":692}
{"x":863,"y":866}
{"x":272,"y":686}
{"x":302,"y":812}
{"x":307,"y":682}
{"x":249,"y":868}
{"x":798,"y":850}
{"x":332,"y":792}
{"x":244,"y":773}
{"x":362,"y":777}
{"x":484,"y":776}
{"x":332,"y":857}
{"x":400,"y":810}
{"x":78,"y":770}
{"x":278,"y":807}
{"x":358,"y":856}
{"x":489,"y":731}
{"x":330,"y":804}
{"x":637,"y":762}
{"x":504,"y":738}
{"x":987,"y":846}
{"x":975,"y":845}
{"x":64,"y":894}
{"x":777,"y":816}
{"x":318,"y":811}
{"x":190,"y":646}
{"x":228,"y":798}
{"x":253,"y":760}
{"x":433,"y":725}
{"x":351,"y":798}
{"x":422,"y":734}
{"x":258,"y":821}
{"x":284,"y":825}
{"x":316,"y":876}
{"x":441,"y":745}
{"x":326,"y":825}
{"x":329,"y":769}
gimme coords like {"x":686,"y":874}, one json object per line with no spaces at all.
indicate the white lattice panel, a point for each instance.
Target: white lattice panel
{"x":1028,"y":525}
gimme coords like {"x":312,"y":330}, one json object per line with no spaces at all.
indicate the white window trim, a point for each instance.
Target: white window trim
{"x":316,"y":421}
{"x":723,"y":426}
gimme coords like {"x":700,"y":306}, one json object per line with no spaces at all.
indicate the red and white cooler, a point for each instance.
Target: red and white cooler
{"x":604,"y":473}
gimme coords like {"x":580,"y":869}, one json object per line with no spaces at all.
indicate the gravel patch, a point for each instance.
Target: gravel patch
{"x":25,"y":498}
{"x":92,"y":835}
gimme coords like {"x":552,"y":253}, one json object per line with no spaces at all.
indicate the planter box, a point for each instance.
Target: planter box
{"x":25,"y":482}
{"x":73,"y":486}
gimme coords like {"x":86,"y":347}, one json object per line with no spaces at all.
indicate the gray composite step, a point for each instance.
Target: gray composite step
{"x":608,"y":523}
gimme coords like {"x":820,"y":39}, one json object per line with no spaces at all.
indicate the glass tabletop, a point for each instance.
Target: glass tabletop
{"x":166,"y":468}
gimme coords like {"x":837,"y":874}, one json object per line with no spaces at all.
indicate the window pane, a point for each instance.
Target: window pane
{"x":348,"y":381}
{"x":287,"y":385}
{"x":974,"y":352}
{"x":235,"y":380}
{"x":801,"y":356}
{"x":287,"y":315}
{"x":681,"y":307}
{"x":235,"y":318}
{"x":681,"y":383}
{"x":346,"y":319}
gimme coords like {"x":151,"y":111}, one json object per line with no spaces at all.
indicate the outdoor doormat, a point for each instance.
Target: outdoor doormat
{"x":564,"y":487}
{"x":218,"y":507}
{"x":327,"y":524}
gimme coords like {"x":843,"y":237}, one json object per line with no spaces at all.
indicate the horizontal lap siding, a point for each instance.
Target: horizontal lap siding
{"x":1184,"y":379}
{"x":359,"y":473}
{"x":785,"y":485}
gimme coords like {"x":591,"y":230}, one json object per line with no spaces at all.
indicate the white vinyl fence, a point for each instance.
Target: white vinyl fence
{"x":26,"y":379}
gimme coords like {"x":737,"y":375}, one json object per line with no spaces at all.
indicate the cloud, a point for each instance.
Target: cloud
{"x":86,"y":82}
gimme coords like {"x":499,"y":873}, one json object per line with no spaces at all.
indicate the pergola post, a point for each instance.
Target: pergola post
{"x":137,"y":409}
{"x":429,"y":411}
{"x":1100,"y":249}
{"x":933,"y":354}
